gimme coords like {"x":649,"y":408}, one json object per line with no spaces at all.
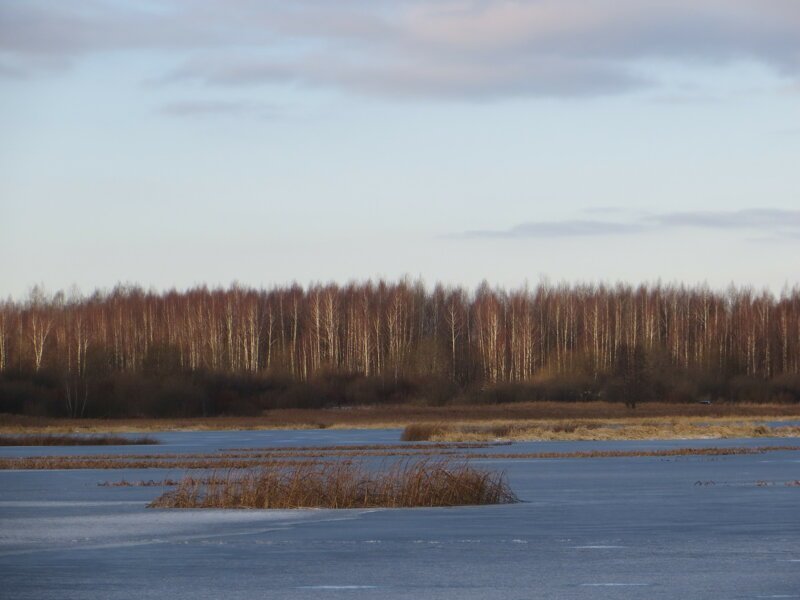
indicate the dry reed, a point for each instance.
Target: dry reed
{"x":255,"y":460}
{"x":233,"y":459}
{"x":420,"y":432}
{"x":33,"y":463}
{"x":143,"y":483}
{"x":344,"y":485}
{"x":663,"y":452}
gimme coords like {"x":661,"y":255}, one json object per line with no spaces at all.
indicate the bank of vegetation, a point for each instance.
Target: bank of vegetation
{"x":242,"y":351}
{"x":592,"y":430}
{"x":401,"y":415}
{"x":241,"y":461}
{"x":343,"y":485}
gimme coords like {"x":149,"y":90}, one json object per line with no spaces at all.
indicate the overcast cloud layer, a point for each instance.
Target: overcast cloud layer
{"x":460,"y":48}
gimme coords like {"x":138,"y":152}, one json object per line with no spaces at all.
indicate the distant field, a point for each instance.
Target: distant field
{"x":403,"y":415}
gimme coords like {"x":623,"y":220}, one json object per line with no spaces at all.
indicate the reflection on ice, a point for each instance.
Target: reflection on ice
{"x":337,"y":587}
{"x":614,"y":584}
{"x":47,"y":533}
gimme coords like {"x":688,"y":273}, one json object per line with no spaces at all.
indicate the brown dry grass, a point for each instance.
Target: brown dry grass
{"x":663,"y":452}
{"x":593,"y":430}
{"x":334,"y":455}
{"x":237,"y":458}
{"x":368,"y":417}
{"x":36,"y":463}
{"x":74,"y":440}
{"x":343,"y":485}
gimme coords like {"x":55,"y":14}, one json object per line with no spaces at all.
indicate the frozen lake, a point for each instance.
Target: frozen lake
{"x":589,"y":528}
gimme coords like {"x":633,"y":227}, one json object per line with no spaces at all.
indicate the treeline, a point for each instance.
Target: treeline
{"x":211,"y":351}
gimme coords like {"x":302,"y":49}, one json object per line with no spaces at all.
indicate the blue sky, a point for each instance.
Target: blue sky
{"x":180,"y":142}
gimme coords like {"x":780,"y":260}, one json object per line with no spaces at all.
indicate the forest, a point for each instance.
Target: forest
{"x":240,"y":351}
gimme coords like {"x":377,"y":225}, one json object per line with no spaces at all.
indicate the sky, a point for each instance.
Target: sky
{"x":171,"y":143}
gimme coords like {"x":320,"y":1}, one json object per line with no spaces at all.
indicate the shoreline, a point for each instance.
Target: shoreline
{"x":538,"y":420}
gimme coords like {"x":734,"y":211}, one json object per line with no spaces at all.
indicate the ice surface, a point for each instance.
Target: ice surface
{"x":612,"y":528}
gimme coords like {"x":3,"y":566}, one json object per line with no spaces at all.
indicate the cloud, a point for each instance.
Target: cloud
{"x":474,"y":49}
{"x":771,"y":223}
{"x":762,"y":219}
{"x":552,"y":77}
{"x":551,"y":229}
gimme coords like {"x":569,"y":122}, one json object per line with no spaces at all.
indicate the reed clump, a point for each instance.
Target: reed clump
{"x":143,"y":483}
{"x":422,"y":432}
{"x":344,"y":485}
{"x":75,"y":440}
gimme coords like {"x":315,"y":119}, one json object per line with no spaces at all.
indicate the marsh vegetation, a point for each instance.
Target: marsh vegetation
{"x":399,"y":416}
{"x":295,"y":457}
{"x":343,"y":485}
{"x":593,"y":430}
